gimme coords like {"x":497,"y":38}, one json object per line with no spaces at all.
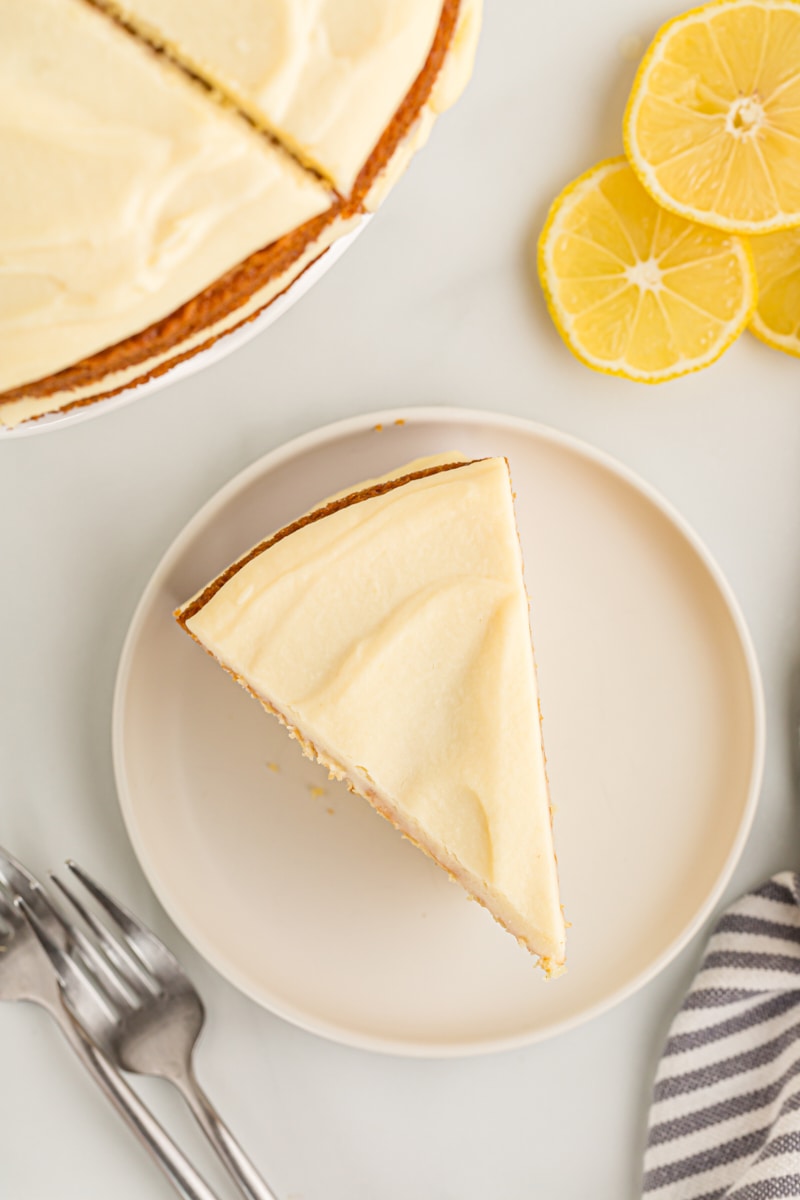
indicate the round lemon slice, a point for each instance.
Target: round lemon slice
{"x":777,"y":319}
{"x":713,"y":121}
{"x":635,"y":290}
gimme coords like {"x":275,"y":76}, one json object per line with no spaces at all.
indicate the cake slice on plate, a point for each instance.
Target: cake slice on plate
{"x":388,"y":630}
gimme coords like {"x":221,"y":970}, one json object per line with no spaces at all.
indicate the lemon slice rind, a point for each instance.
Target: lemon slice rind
{"x":787,"y":345}
{"x":776,"y":321}
{"x":654,"y":59}
{"x":563,"y":206}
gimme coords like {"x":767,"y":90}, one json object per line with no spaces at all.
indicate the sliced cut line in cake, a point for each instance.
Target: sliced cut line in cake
{"x":388,"y":630}
{"x":324,"y":80}
{"x":134,"y":196}
{"x":108,"y":358}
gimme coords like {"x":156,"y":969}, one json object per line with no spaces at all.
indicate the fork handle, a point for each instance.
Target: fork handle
{"x":244,"y":1174}
{"x":172,"y":1161}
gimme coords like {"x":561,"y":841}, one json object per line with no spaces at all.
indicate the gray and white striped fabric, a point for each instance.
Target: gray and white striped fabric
{"x":725,"y":1117}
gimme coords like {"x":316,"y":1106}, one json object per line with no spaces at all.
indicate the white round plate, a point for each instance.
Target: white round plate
{"x":219,"y":349}
{"x":312,"y":904}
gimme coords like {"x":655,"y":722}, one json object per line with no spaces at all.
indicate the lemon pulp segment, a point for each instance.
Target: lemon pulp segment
{"x":635,"y":290}
{"x":713,"y":121}
{"x":777,"y":318}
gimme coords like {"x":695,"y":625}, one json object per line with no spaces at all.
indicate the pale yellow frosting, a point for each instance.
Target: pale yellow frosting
{"x":457,"y":68}
{"x":28,"y":407}
{"x":323,"y":76}
{"x":109,"y":264}
{"x":125,"y":191}
{"x":393,"y":635}
{"x":453,"y":78}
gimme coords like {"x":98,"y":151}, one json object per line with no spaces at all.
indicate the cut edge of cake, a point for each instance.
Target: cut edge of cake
{"x":550,"y":952}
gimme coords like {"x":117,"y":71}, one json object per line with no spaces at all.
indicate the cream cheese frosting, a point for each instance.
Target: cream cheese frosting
{"x":29,"y":407}
{"x":125,"y":191}
{"x":450,"y":83}
{"x":323,"y":76}
{"x":392,"y":635}
{"x":121,"y":212}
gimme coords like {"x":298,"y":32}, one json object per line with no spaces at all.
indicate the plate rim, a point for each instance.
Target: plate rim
{"x":341,"y":429}
{"x":227,"y":343}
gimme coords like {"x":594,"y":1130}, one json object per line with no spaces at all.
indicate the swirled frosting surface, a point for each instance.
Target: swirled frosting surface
{"x":124,"y":193}
{"x":325,"y":76}
{"x":394,"y":634}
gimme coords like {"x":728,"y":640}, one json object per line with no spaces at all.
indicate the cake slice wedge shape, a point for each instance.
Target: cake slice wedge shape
{"x":388,"y":630}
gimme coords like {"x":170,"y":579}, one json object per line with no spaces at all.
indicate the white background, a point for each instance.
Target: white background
{"x":434,"y":304}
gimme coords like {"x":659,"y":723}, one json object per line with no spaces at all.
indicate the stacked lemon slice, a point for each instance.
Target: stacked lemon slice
{"x":652,"y":264}
{"x":777,"y":319}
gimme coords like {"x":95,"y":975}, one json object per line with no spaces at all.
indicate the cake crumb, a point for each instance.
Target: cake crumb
{"x":330,"y":811}
{"x":316,"y":792}
{"x":271,"y":766}
{"x":378,"y":428}
{"x":400,"y":421}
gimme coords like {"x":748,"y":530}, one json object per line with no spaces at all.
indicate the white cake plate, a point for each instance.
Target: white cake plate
{"x":312,"y":904}
{"x":197,"y":362}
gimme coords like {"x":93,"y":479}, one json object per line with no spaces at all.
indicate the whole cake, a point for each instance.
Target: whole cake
{"x":388,"y":630}
{"x":171,"y":166}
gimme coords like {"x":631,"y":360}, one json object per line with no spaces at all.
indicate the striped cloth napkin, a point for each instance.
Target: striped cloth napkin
{"x":725,"y":1117}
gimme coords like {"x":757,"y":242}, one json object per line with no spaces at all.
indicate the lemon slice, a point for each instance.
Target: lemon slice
{"x":713,"y":121}
{"x":777,"y":319}
{"x":635,"y":290}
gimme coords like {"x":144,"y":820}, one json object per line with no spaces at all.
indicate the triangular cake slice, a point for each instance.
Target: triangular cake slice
{"x":388,"y":630}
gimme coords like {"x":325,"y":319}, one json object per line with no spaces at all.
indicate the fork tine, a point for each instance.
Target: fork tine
{"x":94,"y":966}
{"x":6,"y":907}
{"x":70,"y":975}
{"x":14,"y":875}
{"x":124,"y":965}
{"x":16,"y":880}
{"x":149,"y":949}
{"x":64,"y":927}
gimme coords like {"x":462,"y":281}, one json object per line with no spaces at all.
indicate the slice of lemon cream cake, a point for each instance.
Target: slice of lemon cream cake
{"x":388,"y":630}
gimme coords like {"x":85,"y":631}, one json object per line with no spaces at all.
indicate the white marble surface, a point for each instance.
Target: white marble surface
{"x":433,"y":304}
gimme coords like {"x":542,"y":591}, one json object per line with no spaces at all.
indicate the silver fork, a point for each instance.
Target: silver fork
{"x":134,"y":999}
{"x":26,"y":974}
